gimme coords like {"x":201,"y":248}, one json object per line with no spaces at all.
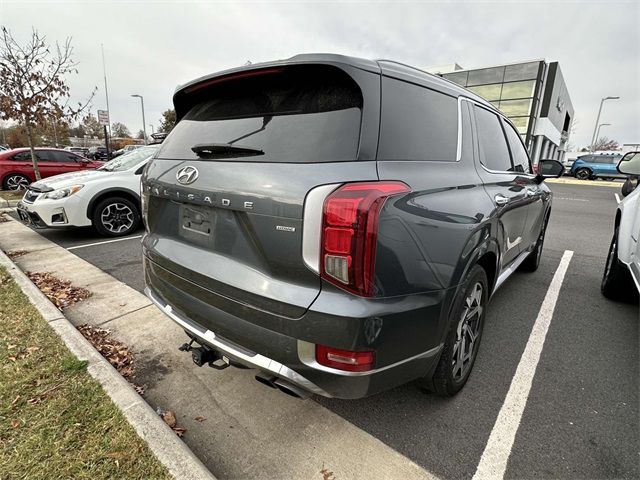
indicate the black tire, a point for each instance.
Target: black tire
{"x":116,"y":217}
{"x":445,"y":382}
{"x":583,"y":174}
{"x":15,"y":181}
{"x":628,"y":187}
{"x":617,"y":283}
{"x":532,"y":262}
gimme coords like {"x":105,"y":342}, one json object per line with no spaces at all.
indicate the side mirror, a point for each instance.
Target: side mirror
{"x":630,"y":164}
{"x":549,"y":169}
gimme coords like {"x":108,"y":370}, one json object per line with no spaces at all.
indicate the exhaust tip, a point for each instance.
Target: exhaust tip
{"x":290,"y":389}
{"x":265,"y":380}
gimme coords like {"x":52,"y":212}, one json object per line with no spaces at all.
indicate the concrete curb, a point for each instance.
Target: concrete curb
{"x":8,"y":203}
{"x":163,"y":442}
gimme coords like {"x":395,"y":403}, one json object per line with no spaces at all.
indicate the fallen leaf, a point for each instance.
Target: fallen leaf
{"x":200,"y":419}
{"x":179,"y":431}
{"x":15,"y":400}
{"x":10,"y":347}
{"x":169,"y":418}
{"x":15,"y":423}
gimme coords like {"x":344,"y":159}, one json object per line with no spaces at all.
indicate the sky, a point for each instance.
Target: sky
{"x":151,"y":47}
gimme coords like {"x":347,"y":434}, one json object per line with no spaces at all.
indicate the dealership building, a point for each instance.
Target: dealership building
{"x":532,"y":94}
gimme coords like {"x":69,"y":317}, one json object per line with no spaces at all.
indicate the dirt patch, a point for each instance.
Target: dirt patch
{"x":61,"y":293}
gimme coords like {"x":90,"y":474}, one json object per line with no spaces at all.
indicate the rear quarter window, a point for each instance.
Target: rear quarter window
{"x":297,"y":114}
{"x":417,"y":123}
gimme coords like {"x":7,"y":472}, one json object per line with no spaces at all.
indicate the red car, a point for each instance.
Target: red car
{"x":16,"y":170}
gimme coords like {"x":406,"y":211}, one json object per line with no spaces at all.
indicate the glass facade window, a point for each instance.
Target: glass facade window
{"x":489,"y":92}
{"x":521,"y":71}
{"x":521,"y":123}
{"x":485,"y":76}
{"x":458,"y":77}
{"x":516,"y":108}
{"x":510,"y":88}
{"x":517,"y":90}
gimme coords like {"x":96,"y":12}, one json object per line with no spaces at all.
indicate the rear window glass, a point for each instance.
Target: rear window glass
{"x":299,"y":114}
{"x":417,"y":123}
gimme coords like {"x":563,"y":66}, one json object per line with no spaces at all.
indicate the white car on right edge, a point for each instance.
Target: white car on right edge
{"x":621,"y":278}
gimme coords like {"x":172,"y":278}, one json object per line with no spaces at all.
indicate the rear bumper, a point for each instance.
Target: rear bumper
{"x":292,"y":357}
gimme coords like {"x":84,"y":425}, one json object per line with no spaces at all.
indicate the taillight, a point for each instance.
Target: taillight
{"x":345,"y":359}
{"x":350,"y":233}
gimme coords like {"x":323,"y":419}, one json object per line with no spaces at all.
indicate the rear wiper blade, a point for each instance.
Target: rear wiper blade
{"x":224,"y":150}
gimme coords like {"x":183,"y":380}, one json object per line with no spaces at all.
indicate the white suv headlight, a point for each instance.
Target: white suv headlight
{"x":63,"y":192}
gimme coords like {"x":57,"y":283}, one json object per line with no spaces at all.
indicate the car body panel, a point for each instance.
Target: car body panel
{"x":47,"y":164}
{"x":215,"y":259}
{"x":78,"y":207}
{"x":604,"y":166}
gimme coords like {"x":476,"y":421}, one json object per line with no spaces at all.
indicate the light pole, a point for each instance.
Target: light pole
{"x":144,"y":122}
{"x":595,"y":130}
{"x":598,"y":132}
{"x":151,"y":125}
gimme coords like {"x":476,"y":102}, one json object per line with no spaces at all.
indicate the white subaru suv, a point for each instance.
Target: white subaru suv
{"x":107,"y":198}
{"x":621,"y":278}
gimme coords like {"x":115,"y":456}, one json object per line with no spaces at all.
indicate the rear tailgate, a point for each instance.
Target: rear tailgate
{"x":227,"y":216}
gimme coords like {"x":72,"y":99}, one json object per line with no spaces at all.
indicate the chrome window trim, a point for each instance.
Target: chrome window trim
{"x":459,"y":146}
{"x":312,"y":224}
{"x":256,"y":361}
{"x":307,"y":355}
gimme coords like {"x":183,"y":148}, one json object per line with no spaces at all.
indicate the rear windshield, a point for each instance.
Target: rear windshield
{"x":298,"y":114}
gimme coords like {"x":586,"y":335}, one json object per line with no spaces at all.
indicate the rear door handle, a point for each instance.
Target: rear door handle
{"x":500,"y":199}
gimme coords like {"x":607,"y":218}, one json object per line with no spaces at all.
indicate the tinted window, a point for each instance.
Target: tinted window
{"x":64,"y":157}
{"x":518,"y":152}
{"x":494,"y":153}
{"x":417,"y":123}
{"x":22,"y":157}
{"x":299,"y":114}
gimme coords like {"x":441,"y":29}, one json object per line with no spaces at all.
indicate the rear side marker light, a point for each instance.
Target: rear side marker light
{"x":345,"y":359}
{"x":350,"y":233}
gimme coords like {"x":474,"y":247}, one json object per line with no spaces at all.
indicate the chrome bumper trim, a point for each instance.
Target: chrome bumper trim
{"x":257,"y":361}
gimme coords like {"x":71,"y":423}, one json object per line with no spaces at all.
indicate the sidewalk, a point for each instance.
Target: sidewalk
{"x":237,"y":427}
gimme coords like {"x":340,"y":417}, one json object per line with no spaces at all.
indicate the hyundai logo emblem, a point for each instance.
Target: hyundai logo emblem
{"x":187,"y":175}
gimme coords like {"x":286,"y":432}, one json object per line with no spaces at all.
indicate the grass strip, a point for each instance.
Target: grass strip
{"x":55,"y":419}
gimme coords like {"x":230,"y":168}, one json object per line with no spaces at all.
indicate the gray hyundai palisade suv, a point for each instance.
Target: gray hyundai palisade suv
{"x":338,"y":224}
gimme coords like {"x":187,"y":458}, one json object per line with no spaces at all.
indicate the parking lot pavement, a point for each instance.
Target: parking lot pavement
{"x":580,"y":418}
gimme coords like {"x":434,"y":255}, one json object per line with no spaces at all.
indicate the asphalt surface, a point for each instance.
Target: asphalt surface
{"x":581,"y":417}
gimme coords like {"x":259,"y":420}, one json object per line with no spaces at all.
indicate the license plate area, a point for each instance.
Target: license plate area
{"x":196,"y":224}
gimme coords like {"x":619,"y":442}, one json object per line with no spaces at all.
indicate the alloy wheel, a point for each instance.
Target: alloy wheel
{"x":17,"y":182}
{"x":117,"y":217}
{"x":467,"y":333}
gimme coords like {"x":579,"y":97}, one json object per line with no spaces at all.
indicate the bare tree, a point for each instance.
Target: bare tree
{"x":33,"y":89}
{"x":604,"y":144}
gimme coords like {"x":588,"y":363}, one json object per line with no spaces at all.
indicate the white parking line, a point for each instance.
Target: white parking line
{"x":102,"y":243}
{"x":493,"y":462}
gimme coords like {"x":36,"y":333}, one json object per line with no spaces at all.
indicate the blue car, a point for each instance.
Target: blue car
{"x":591,"y":166}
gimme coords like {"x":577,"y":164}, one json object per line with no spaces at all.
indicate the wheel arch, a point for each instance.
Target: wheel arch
{"x":112,"y":192}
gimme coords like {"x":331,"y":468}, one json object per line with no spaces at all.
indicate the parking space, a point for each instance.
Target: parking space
{"x":581,"y":412}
